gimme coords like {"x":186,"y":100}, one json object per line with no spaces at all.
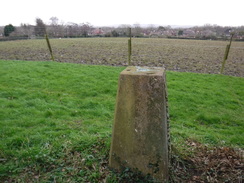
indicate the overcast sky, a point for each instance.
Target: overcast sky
{"x":114,"y":12}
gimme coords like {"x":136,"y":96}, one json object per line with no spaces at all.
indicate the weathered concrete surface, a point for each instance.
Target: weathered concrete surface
{"x":140,"y":134}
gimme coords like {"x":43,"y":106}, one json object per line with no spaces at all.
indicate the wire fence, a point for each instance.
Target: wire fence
{"x":88,"y":45}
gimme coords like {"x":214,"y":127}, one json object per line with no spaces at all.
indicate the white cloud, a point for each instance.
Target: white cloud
{"x":109,"y":12}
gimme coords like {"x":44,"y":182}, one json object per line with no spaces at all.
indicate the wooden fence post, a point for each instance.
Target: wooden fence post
{"x":129,"y":48}
{"x":49,"y":46}
{"x":227,"y":50}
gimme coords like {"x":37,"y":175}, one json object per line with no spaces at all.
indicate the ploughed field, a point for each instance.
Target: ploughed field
{"x":178,"y":55}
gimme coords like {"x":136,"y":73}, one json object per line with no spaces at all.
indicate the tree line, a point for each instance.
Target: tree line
{"x":59,"y":29}
{"x":55,"y":29}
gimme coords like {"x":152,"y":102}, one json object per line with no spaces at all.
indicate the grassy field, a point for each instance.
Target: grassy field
{"x":56,"y":121}
{"x":176,"y":55}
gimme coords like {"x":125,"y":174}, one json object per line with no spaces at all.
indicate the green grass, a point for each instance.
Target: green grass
{"x":208,"y":108}
{"x":56,"y":118}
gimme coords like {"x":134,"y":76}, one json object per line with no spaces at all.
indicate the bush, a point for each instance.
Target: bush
{"x":8,"y":29}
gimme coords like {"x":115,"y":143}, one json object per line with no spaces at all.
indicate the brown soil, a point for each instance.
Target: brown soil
{"x":208,"y":164}
{"x":178,"y":55}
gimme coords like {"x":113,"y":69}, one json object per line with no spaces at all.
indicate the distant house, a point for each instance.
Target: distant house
{"x":227,"y":32}
{"x":189,"y":33}
{"x":239,"y":37}
{"x":155,"y":33}
{"x":208,"y":33}
{"x":98,"y":32}
{"x":170,"y":32}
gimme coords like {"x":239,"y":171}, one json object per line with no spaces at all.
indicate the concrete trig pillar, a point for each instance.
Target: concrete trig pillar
{"x":140,"y":131}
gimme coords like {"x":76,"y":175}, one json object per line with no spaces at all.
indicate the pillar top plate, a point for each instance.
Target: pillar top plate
{"x":137,"y":70}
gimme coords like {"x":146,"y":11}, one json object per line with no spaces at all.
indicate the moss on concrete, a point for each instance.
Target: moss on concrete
{"x":140,"y":134}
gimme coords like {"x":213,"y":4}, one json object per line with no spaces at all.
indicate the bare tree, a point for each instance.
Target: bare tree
{"x":137,"y":30}
{"x":72,"y":29}
{"x":27,"y":30}
{"x":54,"y":20}
{"x":85,"y":29}
{"x":40,"y":28}
{"x":54,"y":30}
{"x":1,"y":31}
{"x":123,"y":29}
